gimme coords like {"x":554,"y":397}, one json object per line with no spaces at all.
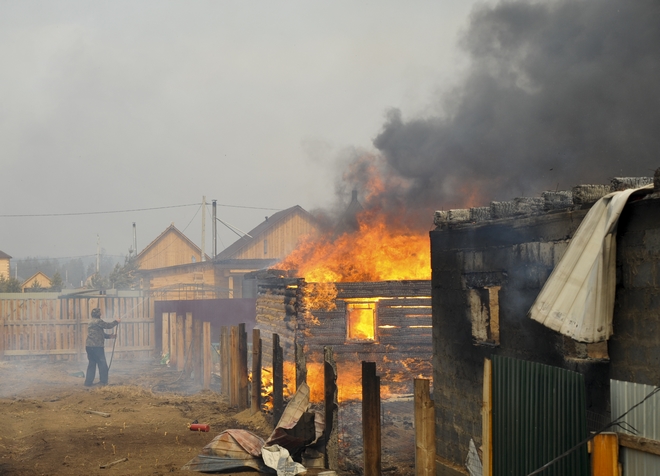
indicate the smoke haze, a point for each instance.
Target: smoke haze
{"x":556,"y":94}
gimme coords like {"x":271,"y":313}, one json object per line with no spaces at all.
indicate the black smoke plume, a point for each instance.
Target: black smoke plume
{"x":558,"y":93}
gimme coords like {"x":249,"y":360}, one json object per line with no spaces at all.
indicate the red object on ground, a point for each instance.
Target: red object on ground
{"x":200,"y":427}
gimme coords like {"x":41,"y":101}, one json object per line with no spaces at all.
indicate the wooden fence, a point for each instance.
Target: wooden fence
{"x":53,"y":325}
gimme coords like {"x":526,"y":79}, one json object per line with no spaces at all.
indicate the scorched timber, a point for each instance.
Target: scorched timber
{"x":402,"y":318}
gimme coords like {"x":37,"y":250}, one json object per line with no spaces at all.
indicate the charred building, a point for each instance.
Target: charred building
{"x":489,"y":265}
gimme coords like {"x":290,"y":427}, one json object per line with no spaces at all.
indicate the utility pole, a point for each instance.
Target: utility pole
{"x":204,"y":228}
{"x":134,"y":239}
{"x":98,"y":253}
{"x":215,"y":229}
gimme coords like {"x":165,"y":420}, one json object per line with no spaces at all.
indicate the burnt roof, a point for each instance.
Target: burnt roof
{"x":580,"y":197}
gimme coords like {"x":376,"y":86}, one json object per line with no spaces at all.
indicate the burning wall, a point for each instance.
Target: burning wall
{"x":386,"y":322}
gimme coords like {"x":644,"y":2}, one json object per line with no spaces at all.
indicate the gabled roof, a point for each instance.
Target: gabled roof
{"x":4,"y":255}
{"x":168,"y":230}
{"x":47,"y":281}
{"x":255,"y":234}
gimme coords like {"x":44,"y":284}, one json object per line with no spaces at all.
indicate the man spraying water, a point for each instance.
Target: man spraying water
{"x":95,"y":343}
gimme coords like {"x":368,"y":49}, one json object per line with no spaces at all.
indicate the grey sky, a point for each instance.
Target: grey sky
{"x":123,"y":105}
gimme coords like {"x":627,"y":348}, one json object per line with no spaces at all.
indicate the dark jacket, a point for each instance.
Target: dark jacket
{"x":96,"y":335}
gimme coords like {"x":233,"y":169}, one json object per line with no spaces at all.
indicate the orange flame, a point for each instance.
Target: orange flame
{"x":376,"y":252}
{"x":383,"y":243}
{"x":289,"y":384}
{"x":349,"y":381}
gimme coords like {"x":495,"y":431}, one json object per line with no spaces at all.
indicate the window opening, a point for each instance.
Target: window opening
{"x":361,"y":321}
{"x":484,"y":309}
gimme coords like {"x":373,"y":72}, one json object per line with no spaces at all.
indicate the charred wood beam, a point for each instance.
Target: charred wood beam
{"x":371,"y":434}
{"x":243,"y":399}
{"x":331,"y":409}
{"x":278,"y":380}
{"x":255,"y":402}
{"x":225,"y":364}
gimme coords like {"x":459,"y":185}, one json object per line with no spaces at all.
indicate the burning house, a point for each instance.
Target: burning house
{"x":387,"y":322}
{"x":364,"y":291}
{"x":489,"y":266}
{"x":363,"y":288}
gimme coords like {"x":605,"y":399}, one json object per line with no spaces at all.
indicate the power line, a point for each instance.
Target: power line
{"x":30,"y":258}
{"x":36,"y":215}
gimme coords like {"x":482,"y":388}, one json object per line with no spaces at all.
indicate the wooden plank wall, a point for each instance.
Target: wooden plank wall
{"x":277,"y":314}
{"x":46,"y":324}
{"x":404,"y":320}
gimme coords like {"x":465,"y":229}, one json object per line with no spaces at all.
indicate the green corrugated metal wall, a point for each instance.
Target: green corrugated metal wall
{"x":539,"y":412}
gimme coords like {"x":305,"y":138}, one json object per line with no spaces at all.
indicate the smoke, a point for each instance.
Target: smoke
{"x":557,"y":94}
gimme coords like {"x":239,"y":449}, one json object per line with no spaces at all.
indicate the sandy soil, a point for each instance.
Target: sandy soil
{"x":45,"y":429}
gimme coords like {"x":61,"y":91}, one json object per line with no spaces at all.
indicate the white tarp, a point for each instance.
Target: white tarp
{"x":577,"y":300}
{"x":278,"y":458}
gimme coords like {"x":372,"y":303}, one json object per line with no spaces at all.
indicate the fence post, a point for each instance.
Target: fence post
{"x":197,"y":351}
{"x":188,"y":342}
{"x":243,"y":402}
{"x":173,"y":336}
{"x":487,"y":419}
{"x":301,"y":365}
{"x":605,"y":454}
{"x":256,"y":372}
{"x":207,"y":357}
{"x":371,"y":419}
{"x":151,"y":327}
{"x":180,"y":344}
{"x":424,"y":429}
{"x":2,"y":335}
{"x":278,"y":379}
{"x":165,"y":335}
{"x":234,"y":361}
{"x":225,"y":371}
{"x":331,"y":409}
{"x":80,"y":345}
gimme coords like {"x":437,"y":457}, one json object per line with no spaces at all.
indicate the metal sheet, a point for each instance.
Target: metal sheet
{"x":577,"y":300}
{"x":539,"y":412}
{"x":645,"y":419}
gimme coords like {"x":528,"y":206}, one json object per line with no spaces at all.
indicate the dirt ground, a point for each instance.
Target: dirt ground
{"x":45,"y":430}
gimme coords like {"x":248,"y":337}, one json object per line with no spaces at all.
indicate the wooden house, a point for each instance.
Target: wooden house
{"x":263,"y":246}
{"x":4,"y":265}
{"x":38,"y":281}
{"x":273,"y":239}
{"x":387,"y":322}
{"x":171,"y":267}
{"x":170,"y":248}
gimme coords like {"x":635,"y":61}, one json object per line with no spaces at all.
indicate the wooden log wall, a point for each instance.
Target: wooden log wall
{"x":277,"y":310}
{"x":55,"y":326}
{"x":403,"y":344}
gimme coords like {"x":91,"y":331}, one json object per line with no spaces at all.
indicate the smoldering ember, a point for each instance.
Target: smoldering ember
{"x":526,"y":331}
